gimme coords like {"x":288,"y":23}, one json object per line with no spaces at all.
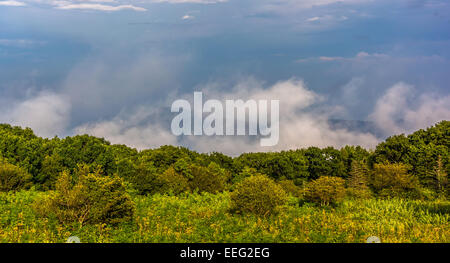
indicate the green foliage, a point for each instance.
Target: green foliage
{"x":221,"y":159}
{"x":84,"y":149}
{"x":171,"y":182}
{"x":144,"y":178}
{"x":393,"y":180}
{"x":166,"y":156}
{"x":258,"y":195}
{"x":183,"y":195}
{"x":394,"y":150}
{"x":211,"y":179}
{"x":350,"y":154}
{"x":50,"y":169}
{"x":292,"y":165}
{"x":290,"y":188}
{"x":13,"y":178}
{"x":87,"y":198}
{"x":357,"y":185}
{"x":45,"y":159}
{"x":325,"y":162}
{"x":419,"y":150}
{"x":326,"y":190}
{"x":440,"y":179}
{"x":205,"y":218}
{"x":246,"y":172}
{"x":22,"y":148}
{"x":183,"y":166}
{"x":126,"y":160}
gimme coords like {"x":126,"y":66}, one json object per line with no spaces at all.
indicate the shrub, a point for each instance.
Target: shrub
{"x":171,"y":182}
{"x":210,"y":179}
{"x":258,"y":195}
{"x":290,"y":188}
{"x":393,"y":180}
{"x":13,"y":178}
{"x":89,"y":198}
{"x":326,"y":190}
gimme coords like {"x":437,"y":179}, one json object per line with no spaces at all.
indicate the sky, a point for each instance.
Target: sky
{"x":112,"y":68}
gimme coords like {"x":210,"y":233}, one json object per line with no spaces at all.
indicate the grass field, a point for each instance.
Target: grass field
{"x":206,"y":218}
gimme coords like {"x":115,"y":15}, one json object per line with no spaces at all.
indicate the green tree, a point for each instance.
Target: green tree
{"x":171,"y":182}
{"x":325,"y":162}
{"x":259,"y":195}
{"x":13,"y":178}
{"x":292,"y":165}
{"x":210,"y":179}
{"x":440,"y":178}
{"x":144,"y":177}
{"x":357,"y":185}
{"x":390,"y":180}
{"x":290,"y":188}
{"x":326,"y":190}
{"x":87,"y":198}
{"x":84,"y":149}
{"x":51,"y":168}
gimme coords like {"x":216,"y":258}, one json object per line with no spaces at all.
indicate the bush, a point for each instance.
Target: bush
{"x":211,"y":179}
{"x":326,"y":190}
{"x":89,"y":198}
{"x":13,"y":178}
{"x":290,"y":188}
{"x":393,"y":180}
{"x":258,"y":195}
{"x":171,"y":182}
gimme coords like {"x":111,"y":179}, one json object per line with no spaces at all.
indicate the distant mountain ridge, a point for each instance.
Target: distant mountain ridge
{"x":356,"y":126}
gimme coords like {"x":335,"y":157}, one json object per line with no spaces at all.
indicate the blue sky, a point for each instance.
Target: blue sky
{"x":111,"y":68}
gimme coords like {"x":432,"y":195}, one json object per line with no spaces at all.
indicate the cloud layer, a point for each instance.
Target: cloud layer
{"x":401,"y":110}
{"x":12,"y":3}
{"x":300,"y":125}
{"x":304,"y":118}
{"x":100,"y":7}
{"x":47,"y":113}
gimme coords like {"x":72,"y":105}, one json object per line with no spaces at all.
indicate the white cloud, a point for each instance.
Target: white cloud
{"x":187,"y":17}
{"x":48,"y":113}
{"x":131,"y":129}
{"x":12,"y":3}
{"x":312,"y":19}
{"x":323,"y":58}
{"x":351,"y":92}
{"x":400,"y":110}
{"x":304,"y":120}
{"x":300,"y":124}
{"x":360,"y":56}
{"x":100,"y":7}
{"x":295,"y":6}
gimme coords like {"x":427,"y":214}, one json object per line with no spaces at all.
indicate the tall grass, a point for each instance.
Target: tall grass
{"x":206,"y":218}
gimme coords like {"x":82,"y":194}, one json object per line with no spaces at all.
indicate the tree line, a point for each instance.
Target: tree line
{"x":420,"y":159}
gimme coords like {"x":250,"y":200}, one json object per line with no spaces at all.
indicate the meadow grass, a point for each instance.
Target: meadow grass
{"x":207,"y":218}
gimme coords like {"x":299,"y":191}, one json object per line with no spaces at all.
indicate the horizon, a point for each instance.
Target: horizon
{"x":369,"y":150}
